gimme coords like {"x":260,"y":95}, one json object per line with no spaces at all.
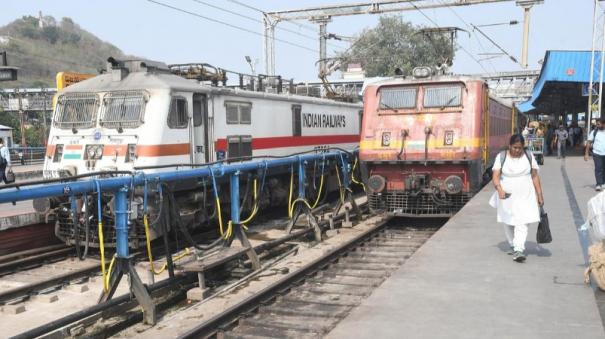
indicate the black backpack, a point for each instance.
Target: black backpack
{"x":503,"y":155}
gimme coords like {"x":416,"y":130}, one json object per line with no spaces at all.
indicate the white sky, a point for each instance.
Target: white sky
{"x":142,"y":28}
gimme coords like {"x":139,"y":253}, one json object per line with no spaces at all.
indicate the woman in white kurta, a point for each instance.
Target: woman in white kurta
{"x":518,"y":194}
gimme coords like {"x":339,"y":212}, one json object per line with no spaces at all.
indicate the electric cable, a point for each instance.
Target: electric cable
{"x":457,"y":44}
{"x":230,"y":25}
{"x":258,"y":21}
{"x":307,"y":27}
{"x":470,"y":28}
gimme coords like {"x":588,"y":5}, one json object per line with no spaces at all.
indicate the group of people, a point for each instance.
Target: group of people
{"x":555,"y":138}
{"x":561,"y":137}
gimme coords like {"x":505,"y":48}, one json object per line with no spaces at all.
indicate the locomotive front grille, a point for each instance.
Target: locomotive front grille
{"x":422,"y":204}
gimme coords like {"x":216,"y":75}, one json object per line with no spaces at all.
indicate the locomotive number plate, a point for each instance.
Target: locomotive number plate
{"x":448,"y":139}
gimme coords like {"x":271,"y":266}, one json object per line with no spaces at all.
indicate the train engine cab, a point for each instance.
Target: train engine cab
{"x":425,"y":143}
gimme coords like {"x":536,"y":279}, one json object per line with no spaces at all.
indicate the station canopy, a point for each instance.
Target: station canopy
{"x":562,"y":86}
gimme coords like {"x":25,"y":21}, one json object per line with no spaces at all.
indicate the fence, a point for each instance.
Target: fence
{"x":27,"y":155}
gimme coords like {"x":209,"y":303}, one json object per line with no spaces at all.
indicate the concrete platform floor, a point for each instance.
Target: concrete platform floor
{"x":462,"y":284}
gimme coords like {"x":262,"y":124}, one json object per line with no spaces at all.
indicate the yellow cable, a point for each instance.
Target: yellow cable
{"x":254,"y":209}
{"x":353,"y":176}
{"x":304,"y":201}
{"x":291,"y":189}
{"x":220,"y":217}
{"x":149,"y":255}
{"x":102,"y":250}
{"x":321,"y":184}
{"x":185,"y":253}
{"x":107,"y":278}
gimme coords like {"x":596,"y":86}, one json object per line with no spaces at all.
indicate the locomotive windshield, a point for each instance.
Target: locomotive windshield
{"x":123,"y":109}
{"x":119,"y":109}
{"x":76,"y":110}
{"x":442,"y":96}
{"x":398,"y":97}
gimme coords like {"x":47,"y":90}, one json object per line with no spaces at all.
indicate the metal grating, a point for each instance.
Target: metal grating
{"x":449,"y":96}
{"x":398,"y":98}
{"x":422,"y":204}
{"x":124,"y":109}
{"x":76,"y":110}
{"x":64,"y":229}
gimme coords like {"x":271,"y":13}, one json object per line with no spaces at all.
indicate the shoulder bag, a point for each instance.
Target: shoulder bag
{"x":543,"y":235}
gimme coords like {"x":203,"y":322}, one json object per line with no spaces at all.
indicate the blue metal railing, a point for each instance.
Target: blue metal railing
{"x":139,"y":178}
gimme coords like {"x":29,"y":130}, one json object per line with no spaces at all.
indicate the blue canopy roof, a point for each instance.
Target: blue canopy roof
{"x":562,"y":66}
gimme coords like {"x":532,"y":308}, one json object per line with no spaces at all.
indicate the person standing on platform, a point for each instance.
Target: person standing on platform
{"x":5,"y":160}
{"x":518,"y":194}
{"x":549,"y":138}
{"x":596,"y":143}
{"x":577,"y":135}
{"x":561,"y":136}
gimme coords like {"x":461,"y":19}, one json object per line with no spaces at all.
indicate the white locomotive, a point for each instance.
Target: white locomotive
{"x":143,"y":115}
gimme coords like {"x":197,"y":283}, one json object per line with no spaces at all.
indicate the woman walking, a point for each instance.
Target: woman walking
{"x":518,"y":193}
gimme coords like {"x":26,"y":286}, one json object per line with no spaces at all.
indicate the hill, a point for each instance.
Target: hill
{"x":42,"y":47}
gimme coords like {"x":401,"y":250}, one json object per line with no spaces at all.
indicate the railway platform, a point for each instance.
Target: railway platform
{"x":21,"y":213}
{"x":462,"y":283}
{"x":20,"y":225}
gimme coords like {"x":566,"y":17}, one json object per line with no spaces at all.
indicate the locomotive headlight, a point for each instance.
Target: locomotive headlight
{"x":421,"y":72}
{"x":94,"y":152}
{"x":99,"y":151}
{"x":376,"y":183}
{"x":90,"y":152}
{"x":386,"y":138}
{"x":58,"y":153}
{"x":453,"y":184}
{"x":132,"y":153}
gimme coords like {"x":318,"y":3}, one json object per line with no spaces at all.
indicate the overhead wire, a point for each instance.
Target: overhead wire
{"x":258,"y":21}
{"x":470,"y":28}
{"x":457,"y":44}
{"x":243,"y":29}
{"x":307,"y":27}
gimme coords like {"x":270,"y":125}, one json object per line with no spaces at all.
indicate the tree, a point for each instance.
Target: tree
{"x":8,"y":119}
{"x":394,"y":44}
{"x":51,"y":33}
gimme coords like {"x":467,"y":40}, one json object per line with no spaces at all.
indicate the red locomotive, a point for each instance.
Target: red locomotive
{"x":427,"y":142}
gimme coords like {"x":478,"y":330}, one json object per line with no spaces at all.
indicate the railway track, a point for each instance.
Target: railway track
{"x":308,"y":303}
{"x":25,"y":260}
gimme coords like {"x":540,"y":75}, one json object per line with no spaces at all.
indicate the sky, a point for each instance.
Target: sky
{"x":146,"y":29}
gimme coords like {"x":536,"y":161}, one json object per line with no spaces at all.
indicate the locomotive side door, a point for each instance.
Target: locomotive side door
{"x":200,"y":131}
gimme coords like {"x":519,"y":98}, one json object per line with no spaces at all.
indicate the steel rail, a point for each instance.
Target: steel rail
{"x":213,"y":324}
{"x":21,"y":254}
{"x":23,"y":291}
{"x":35,"y":260}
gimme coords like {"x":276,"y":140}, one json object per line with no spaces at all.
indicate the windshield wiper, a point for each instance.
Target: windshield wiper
{"x":382,"y":104}
{"x":448,"y":102}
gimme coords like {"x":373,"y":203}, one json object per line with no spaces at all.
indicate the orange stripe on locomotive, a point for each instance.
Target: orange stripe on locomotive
{"x":426,"y":144}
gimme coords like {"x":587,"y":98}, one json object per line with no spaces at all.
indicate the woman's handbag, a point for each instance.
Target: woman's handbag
{"x":10,"y":177}
{"x":543,"y":235}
